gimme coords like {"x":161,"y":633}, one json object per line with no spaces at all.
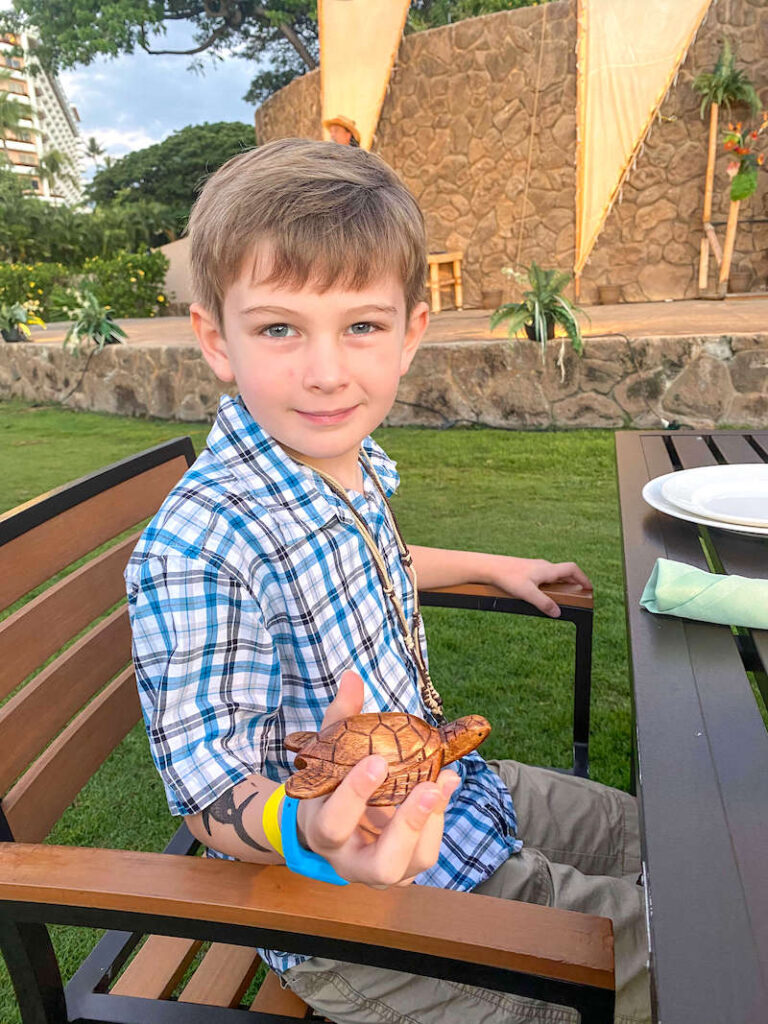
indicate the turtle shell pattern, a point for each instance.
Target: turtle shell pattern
{"x":413,"y":749}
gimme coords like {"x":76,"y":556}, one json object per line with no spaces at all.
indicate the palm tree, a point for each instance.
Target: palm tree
{"x":724,"y":86}
{"x":94,"y":151}
{"x":55,"y":165}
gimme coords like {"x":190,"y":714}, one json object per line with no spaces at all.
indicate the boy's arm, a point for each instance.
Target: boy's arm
{"x":232,"y":824}
{"x":520,"y":577}
{"x":336,"y":826}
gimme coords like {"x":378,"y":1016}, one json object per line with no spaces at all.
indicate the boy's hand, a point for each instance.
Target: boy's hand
{"x":334,"y":825}
{"x":522,"y":577}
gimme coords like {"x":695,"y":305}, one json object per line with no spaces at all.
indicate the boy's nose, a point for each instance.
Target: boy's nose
{"x":326,"y":368}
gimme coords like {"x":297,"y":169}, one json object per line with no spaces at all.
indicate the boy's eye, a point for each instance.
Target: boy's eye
{"x":362,"y":327}
{"x":278,"y":331}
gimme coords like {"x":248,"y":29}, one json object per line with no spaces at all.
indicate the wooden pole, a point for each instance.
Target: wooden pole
{"x":708,"y":189}
{"x":711,"y":155}
{"x":703,"y":263}
{"x":730,"y":239}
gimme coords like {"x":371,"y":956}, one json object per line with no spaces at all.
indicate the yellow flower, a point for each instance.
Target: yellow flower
{"x":31,"y":284}
{"x":141,"y":273}
{"x":39,"y":291}
{"x":161,"y":298}
{"x":133,"y":280}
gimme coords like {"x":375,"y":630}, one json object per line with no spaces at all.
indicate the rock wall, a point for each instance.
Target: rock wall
{"x":700,"y":382}
{"x":456,"y":125}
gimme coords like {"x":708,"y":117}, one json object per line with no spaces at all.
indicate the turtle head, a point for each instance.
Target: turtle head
{"x":462,"y":736}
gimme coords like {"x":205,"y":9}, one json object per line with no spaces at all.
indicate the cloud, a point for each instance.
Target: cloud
{"x":118,"y":142}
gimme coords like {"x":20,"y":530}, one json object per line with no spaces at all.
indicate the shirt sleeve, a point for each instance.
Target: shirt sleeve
{"x":208,"y":677}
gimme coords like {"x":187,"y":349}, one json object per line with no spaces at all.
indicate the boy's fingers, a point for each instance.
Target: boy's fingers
{"x":411,"y":841}
{"x":531,"y":593}
{"x":348,"y":700}
{"x":341,"y":812}
{"x":569,"y":571}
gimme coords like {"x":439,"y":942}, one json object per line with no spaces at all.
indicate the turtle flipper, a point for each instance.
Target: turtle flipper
{"x":296,"y":740}
{"x":314,"y":780}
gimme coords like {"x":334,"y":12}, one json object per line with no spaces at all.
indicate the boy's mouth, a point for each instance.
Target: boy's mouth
{"x":329,"y":416}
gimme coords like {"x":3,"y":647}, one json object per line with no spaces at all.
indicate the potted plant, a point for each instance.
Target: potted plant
{"x":542,"y":306}
{"x":92,"y":321}
{"x":15,"y":320}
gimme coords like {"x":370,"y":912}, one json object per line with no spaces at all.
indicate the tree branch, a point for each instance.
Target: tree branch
{"x":291,"y":35}
{"x":203,"y":46}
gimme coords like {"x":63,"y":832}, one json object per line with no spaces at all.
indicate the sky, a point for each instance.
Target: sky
{"x":134,"y":101}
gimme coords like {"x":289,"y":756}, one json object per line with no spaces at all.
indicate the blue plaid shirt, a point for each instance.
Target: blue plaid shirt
{"x":250,"y":593}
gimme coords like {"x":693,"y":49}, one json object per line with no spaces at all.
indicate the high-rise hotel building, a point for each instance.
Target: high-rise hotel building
{"x":48,"y":122}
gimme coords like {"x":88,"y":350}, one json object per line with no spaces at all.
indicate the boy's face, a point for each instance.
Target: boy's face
{"x":318,"y":371}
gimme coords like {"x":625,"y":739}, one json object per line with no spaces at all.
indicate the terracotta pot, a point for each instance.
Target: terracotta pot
{"x":608,"y":294}
{"x":530,"y":329}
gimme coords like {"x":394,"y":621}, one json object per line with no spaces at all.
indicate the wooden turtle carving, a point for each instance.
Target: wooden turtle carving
{"x":415,"y":751}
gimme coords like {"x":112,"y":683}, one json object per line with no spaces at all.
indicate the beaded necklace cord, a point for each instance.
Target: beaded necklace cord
{"x":429,"y":695}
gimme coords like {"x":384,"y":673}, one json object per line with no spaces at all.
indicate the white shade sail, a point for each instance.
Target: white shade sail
{"x":629,"y":53}
{"x":359,"y":40}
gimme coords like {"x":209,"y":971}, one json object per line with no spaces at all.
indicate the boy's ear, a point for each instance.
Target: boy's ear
{"x":212,"y":342}
{"x":414,"y":332}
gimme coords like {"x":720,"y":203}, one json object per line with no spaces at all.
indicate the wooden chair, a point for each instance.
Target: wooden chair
{"x":65,"y":662}
{"x":438,"y":281}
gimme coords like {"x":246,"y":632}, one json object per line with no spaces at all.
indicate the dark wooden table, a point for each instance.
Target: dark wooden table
{"x":701,"y":749}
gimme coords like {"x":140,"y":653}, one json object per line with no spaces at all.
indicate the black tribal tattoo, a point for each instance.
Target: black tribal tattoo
{"x":224,"y":812}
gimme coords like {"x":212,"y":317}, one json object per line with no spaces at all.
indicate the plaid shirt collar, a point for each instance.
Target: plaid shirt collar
{"x":287,"y":489}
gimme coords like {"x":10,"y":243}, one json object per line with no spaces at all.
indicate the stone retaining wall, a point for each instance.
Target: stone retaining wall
{"x":456,"y":125}
{"x":700,"y":382}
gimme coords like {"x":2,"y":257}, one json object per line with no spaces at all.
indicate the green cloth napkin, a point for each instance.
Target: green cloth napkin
{"x":679,"y":589}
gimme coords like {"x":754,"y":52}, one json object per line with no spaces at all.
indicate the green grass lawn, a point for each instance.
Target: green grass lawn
{"x":551,"y":495}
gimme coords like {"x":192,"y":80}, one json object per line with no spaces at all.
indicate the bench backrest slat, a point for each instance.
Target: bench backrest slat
{"x":34,"y":715}
{"x":43,"y":793}
{"x":41,"y":627}
{"x":61,"y":535}
{"x":65,"y":720}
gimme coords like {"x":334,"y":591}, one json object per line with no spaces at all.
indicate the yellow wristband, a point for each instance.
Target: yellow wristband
{"x":269,"y":820}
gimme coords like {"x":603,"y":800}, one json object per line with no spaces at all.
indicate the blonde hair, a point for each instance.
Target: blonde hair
{"x":329,"y":214}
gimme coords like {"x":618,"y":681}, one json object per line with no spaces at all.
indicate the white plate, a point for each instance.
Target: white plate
{"x":652,"y":494}
{"x":735,"y":494}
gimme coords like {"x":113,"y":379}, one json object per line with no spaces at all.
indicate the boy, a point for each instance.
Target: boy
{"x":272,"y":593}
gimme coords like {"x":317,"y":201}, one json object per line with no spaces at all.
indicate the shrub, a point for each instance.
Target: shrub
{"x":131,"y":284}
{"x":31,"y":284}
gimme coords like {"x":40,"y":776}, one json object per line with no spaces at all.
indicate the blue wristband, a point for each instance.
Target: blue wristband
{"x":299,"y":860}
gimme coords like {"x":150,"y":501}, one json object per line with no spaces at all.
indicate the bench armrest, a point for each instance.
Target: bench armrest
{"x":567,"y":595}
{"x":270,"y":906}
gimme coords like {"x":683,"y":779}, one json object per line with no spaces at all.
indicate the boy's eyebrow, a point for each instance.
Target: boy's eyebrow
{"x":356,"y":311}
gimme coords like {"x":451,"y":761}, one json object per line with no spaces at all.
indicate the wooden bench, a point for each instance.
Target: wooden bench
{"x":70,"y":698}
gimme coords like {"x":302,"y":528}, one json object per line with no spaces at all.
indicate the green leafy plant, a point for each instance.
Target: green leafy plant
{"x":743,"y":169}
{"x":726,"y":84}
{"x":15,"y":320}
{"x":92,"y":322}
{"x":542,"y":306}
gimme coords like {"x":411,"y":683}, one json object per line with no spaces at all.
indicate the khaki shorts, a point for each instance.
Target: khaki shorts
{"x":582,"y":852}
